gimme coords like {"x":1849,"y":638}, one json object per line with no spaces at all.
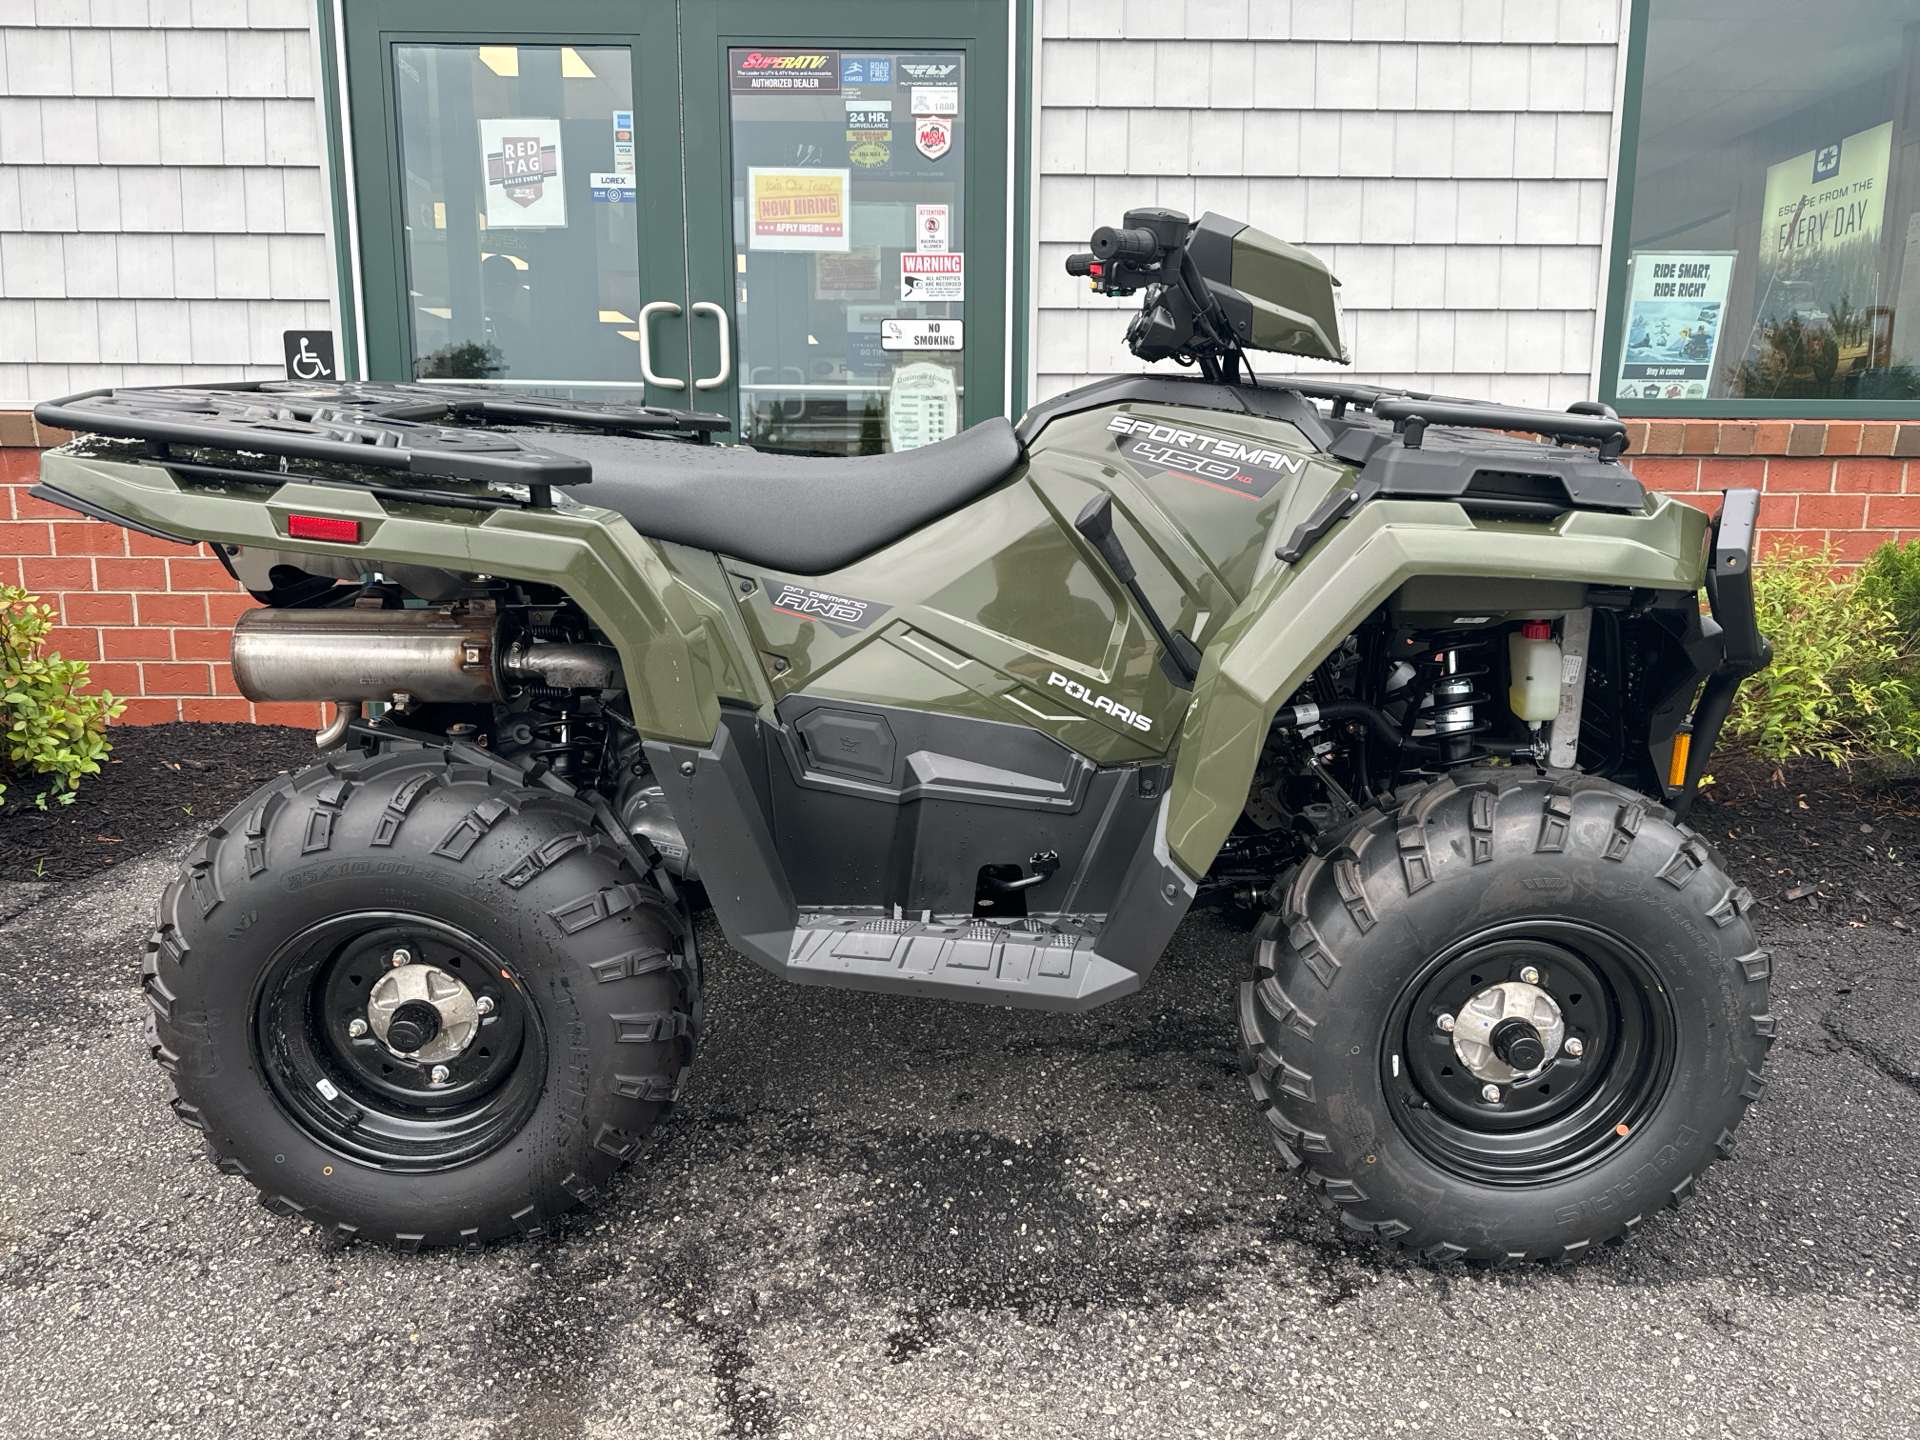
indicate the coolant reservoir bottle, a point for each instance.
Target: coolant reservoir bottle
{"x":1534,"y":694}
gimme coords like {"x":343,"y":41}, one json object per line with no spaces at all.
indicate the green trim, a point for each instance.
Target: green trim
{"x":346,"y":296}
{"x":1614,"y":302}
{"x":1022,"y":277}
{"x":1615,"y":289}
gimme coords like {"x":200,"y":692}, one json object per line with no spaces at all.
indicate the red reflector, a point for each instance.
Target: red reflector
{"x":322,"y":527}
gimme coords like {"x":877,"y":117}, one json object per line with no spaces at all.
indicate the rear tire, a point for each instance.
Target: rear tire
{"x":1635,"y":936}
{"x":561,"y":996}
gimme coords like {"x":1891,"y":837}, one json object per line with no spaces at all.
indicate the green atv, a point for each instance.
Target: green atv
{"x":980,"y":721}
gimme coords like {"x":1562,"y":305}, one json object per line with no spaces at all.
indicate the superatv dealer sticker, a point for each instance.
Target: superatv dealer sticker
{"x":841,"y":614}
{"x":1215,"y":460}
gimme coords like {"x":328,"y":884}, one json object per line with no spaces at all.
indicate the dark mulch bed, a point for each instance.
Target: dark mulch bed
{"x":161,"y":779}
{"x":1808,"y":838}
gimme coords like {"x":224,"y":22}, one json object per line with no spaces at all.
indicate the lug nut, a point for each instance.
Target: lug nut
{"x":356,"y":1028}
{"x":1530,"y":975}
{"x":1490,"y":1094}
{"x":1445,"y":1022}
{"x":1574,"y":1047}
{"x":402,"y":956}
{"x":484,"y":1005}
{"x":440,"y":1074}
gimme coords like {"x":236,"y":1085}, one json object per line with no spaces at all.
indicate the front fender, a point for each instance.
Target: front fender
{"x":1295,"y":614}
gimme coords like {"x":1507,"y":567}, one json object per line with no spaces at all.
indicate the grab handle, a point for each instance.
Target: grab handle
{"x":714,"y":382}
{"x":647,"y":311}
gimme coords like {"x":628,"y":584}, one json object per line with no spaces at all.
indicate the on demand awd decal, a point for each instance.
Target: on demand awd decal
{"x":1210,"y":459}
{"x":841,"y":614}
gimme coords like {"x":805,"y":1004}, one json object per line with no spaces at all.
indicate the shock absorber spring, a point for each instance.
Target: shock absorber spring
{"x":573,"y":745}
{"x":1452,"y":719}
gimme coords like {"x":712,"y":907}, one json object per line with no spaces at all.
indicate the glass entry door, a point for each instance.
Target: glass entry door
{"x":847,"y":192}
{"x":518,"y":179}
{"x":848,"y":201}
{"x":795,"y":215}
{"x":521,"y":238}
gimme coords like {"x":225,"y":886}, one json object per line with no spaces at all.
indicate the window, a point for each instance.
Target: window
{"x":522,"y":259}
{"x":1767,"y":237}
{"x":848,"y":169}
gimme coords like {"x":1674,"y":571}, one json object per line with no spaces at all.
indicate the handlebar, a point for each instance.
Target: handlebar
{"x":1111,"y":244}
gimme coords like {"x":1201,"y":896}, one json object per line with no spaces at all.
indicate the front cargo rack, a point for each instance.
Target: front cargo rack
{"x":444,"y":432}
{"x":1470,"y":457}
{"x":1410,"y":413}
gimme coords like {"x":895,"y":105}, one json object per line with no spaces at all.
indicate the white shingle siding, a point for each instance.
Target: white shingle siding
{"x":163,"y":211}
{"x":162,"y":191}
{"x":1448,"y":158}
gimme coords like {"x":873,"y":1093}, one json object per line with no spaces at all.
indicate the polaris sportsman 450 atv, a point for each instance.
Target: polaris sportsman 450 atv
{"x":979,"y":721}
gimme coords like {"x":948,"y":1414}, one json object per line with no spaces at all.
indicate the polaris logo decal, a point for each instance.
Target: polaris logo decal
{"x":841,"y":614}
{"x":1213,"y":460}
{"x":1100,"y":702}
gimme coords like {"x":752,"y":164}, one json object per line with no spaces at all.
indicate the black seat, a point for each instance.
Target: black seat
{"x":803,"y":514}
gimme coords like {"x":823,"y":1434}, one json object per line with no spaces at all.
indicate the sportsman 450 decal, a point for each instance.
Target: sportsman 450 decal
{"x":1214,"y":460}
{"x":1100,"y":702}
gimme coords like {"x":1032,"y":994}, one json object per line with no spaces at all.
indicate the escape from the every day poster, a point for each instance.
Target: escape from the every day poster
{"x":1820,"y":231}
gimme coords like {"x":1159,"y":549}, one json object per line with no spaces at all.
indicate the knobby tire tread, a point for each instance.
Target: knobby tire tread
{"x":1386,"y":855}
{"x":301,"y":818}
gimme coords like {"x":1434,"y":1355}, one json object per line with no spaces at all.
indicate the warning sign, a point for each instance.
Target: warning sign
{"x":932,"y":277}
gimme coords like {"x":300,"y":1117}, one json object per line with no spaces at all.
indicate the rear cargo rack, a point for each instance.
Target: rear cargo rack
{"x":443,"y":432}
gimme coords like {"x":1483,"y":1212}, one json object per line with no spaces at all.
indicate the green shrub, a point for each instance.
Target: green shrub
{"x":1892,"y":575}
{"x":51,"y":728}
{"x":1843,"y":680}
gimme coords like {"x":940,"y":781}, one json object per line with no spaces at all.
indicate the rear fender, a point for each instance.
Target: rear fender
{"x":1295,"y":614}
{"x":677,"y":645}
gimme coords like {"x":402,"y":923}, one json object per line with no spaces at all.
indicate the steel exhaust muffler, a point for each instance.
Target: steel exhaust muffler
{"x":431,"y":656}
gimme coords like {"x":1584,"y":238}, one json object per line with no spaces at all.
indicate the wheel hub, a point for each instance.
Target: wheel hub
{"x":423,"y":1013}
{"x":1520,"y":1051}
{"x":1507,"y":1032}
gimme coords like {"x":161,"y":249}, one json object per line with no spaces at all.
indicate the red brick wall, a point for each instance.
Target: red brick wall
{"x":151,"y":618}
{"x":1845,"y":484}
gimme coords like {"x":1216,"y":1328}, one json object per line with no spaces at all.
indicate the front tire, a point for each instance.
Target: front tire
{"x":414,"y":998}
{"x":1566,"y":921}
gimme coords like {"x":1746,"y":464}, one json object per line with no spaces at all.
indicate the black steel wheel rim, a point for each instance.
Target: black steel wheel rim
{"x":1575,"y":1111}
{"x":364,"y":1102}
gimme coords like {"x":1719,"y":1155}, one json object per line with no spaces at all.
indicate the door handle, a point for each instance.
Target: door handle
{"x":647,"y":312}
{"x":714,"y":382}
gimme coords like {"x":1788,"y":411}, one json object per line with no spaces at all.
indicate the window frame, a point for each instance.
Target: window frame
{"x":1614,"y":295}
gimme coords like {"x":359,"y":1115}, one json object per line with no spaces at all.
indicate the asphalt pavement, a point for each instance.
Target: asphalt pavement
{"x":878,"y":1217}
